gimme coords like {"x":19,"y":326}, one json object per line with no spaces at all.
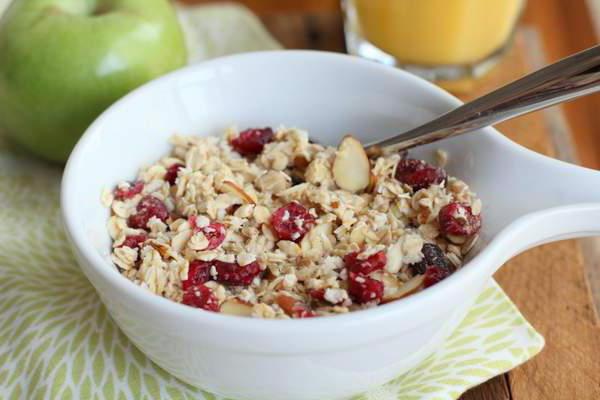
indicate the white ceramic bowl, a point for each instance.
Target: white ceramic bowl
{"x":528,"y":199}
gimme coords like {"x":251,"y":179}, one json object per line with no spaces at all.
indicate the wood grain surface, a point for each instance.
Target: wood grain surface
{"x":547,"y":283}
{"x":550,"y":284}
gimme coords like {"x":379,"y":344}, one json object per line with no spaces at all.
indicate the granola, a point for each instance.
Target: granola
{"x":268,"y":224}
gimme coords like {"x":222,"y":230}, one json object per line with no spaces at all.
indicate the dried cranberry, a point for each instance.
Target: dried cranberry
{"x":432,"y":256}
{"x":147,"y":208}
{"x":302,"y":311}
{"x":458,"y":219}
{"x":213,"y":232}
{"x":200,"y":296}
{"x":363,"y":289}
{"x":434,"y":275}
{"x":134,"y":241}
{"x":418,"y":174}
{"x":198,"y":273}
{"x":235,"y":274}
{"x":372,"y":263}
{"x":252,"y":141}
{"x":292,"y":221}
{"x":172,"y":172}
{"x":129,"y":191}
{"x":317,"y":294}
{"x":294,"y":308}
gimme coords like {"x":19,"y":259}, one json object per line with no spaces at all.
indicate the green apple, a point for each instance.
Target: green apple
{"x":63,"y":62}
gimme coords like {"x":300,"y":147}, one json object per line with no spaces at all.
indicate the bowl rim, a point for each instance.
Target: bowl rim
{"x":106,"y":271}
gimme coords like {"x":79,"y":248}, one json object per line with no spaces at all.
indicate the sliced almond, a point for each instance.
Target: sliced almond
{"x":469,"y":244}
{"x":394,"y":289}
{"x":456,"y":239}
{"x":293,"y":307}
{"x":351,"y":168}
{"x":162,"y":249}
{"x":233,"y":188}
{"x":236,"y":307}
{"x":394,"y":258}
{"x":372,"y":182}
{"x":287,"y":303}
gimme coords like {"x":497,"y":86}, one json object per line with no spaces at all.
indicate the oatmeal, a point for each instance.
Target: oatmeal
{"x":267,"y":224}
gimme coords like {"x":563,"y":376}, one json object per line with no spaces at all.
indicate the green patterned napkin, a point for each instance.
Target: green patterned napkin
{"x":57,"y":341}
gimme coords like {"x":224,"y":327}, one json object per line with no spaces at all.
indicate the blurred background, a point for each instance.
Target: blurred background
{"x":546,"y":30}
{"x":466,"y":46}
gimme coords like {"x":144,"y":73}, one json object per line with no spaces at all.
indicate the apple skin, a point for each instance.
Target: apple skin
{"x":63,"y":62}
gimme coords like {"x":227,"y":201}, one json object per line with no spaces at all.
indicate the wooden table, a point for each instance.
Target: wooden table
{"x":550,"y":284}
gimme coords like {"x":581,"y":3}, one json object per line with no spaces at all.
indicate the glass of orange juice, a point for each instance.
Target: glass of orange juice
{"x":441,"y":40}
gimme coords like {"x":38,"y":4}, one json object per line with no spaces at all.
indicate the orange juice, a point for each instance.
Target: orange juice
{"x":437,"y":32}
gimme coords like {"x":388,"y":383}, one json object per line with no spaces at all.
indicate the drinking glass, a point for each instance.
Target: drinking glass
{"x":440,"y":40}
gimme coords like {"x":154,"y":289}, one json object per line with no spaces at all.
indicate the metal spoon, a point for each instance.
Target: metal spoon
{"x":567,"y":79}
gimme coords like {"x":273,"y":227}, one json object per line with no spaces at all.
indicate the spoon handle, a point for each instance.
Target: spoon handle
{"x":567,"y":79}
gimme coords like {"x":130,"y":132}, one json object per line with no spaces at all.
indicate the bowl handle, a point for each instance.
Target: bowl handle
{"x":566,"y":208}
{"x":560,"y":223}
